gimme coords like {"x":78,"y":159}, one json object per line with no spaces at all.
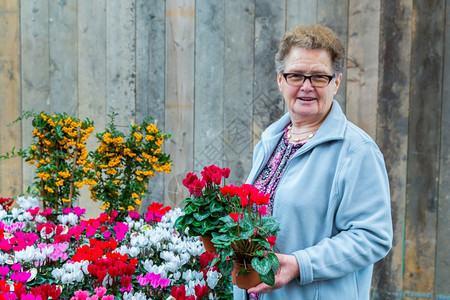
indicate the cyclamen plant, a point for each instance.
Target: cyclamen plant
{"x":103,"y":258}
{"x":205,"y":206}
{"x":248,"y":234}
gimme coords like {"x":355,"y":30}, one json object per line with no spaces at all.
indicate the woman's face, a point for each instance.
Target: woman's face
{"x":308,"y":104}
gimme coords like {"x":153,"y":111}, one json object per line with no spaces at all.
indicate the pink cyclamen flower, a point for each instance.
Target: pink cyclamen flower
{"x":79,"y":211}
{"x":4,"y":270}
{"x":80,"y":295}
{"x":16,"y":267}
{"x":100,"y":291}
{"x":107,"y":234}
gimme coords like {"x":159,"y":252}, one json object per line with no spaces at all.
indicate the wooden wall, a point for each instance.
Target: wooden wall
{"x":204,"y":69}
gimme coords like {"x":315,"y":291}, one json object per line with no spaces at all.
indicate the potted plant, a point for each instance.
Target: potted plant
{"x":247,"y":237}
{"x":206,"y":205}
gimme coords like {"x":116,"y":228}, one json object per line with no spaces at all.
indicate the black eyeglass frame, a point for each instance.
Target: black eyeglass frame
{"x":330,"y":77}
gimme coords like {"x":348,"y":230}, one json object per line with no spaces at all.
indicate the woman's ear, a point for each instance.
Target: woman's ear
{"x":279,"y":79}
{"x":337,"y":82}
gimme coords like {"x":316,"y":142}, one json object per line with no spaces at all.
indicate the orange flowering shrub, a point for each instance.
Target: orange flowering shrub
{"x":123,"y":165}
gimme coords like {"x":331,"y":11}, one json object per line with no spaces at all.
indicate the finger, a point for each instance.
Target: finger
{"x":259,"y":289}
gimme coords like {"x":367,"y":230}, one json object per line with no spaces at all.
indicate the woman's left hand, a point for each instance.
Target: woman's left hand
{"x":287,"y":271}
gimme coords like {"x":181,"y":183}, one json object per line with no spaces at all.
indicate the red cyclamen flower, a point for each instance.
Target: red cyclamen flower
{"x":234,"y":216}
{"x":271,"y":239}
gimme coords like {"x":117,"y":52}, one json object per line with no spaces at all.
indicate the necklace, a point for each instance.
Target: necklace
{"x":298,"y":140}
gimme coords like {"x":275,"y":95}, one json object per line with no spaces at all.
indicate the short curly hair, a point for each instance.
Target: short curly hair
{"x":314,"y":36}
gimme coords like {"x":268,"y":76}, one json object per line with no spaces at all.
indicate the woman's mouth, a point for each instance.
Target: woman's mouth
{"x":306,"y":98}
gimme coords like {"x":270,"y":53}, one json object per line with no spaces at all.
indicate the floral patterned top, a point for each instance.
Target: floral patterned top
{"x":267,"y":181}
{"x":270,"y":176}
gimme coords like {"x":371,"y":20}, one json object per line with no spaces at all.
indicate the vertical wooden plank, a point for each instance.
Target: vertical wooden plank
{"x":209,"y":77}
{"x":442,"y":286}
{"x":362,"y":64}
{"x":63,"y":56}
{"x":392,"y":133}
{"x":92,"y":78}
{"x":150,"y":76}
{"x":121,"y":60}
{"x":180,"y":29}
{"x":301,"y":12}
{"x":10,"y":170}
{"x":238,"y":88}
{"x":334,"y":14}
{"x":423,"y":148}
{"x":35,"y":70}
{"x":268,"y":105}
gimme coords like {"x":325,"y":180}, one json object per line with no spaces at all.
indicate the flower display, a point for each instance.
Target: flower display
{"x":103,"y":258}
{"x":248,"y":234}
{"x":206,"y":205}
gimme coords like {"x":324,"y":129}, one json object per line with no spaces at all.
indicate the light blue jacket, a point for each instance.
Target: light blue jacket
{"x":333,"y":206}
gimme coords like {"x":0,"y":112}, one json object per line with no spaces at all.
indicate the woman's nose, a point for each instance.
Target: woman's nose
{"x":307,"y":85}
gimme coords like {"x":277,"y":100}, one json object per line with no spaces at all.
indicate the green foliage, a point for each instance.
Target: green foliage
{"x":123,"y":165}
{"x":58,"y":151}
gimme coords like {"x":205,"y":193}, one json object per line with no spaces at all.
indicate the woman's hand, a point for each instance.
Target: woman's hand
{"x":287,"y":271}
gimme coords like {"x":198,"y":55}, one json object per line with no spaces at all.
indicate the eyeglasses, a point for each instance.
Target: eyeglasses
{"x":295,"y":79}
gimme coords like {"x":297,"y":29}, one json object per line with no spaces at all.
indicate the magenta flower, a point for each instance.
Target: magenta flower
{"x":120,"y":229}
{"x":4,"y":270}
{"x":79,"y":211}
{"x":21,"y":277}
{"x":16,"y":267}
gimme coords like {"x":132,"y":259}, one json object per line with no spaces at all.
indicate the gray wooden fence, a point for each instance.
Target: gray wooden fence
{"x":204,"y":69}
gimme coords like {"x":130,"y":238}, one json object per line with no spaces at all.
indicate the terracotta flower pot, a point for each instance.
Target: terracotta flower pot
{"x":209,"y":246}
{"x":244,"y":281}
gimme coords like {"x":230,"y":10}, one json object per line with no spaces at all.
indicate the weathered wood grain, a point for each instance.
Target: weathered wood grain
{"x":208,"y":85}
{"x":238,"y":88}
{"x":423,"y":147}
{"x":35,"y":53}
{"x":205,"y":70}
{"x":392,"y":133}
{"x":334,"y":14}
{"x":10,"y":170}
{"x":91,"y":58}
{"x":301,"y":12}
{"x":63,"y":56}
{"x":179,"y":109}
{"x":121,"y":60}
{"x":442,"y":274}
{"x":362,"y":65}
{"x":268,"y":104}
{"x":150,"y":76}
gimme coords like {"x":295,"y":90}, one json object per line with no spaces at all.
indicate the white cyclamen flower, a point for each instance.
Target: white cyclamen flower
{"x":212,"y":278}
{"x":134,"y":251}
{"x":27,"y":203}
{"x":28,"y":254}
{"x":58,"y":273}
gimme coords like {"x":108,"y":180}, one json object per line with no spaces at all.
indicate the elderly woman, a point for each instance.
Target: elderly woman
{"x":326,"y":177}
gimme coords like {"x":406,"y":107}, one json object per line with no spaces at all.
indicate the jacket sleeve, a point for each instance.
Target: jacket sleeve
{"x":362,"y":219}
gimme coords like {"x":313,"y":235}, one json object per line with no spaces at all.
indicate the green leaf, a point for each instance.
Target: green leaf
{"x":215,"y":207}
{"x":273,"y":260}
{"x":201,"y":216}
{"x":262,"y":266}
{"x":243,"y":271}
{"x":268,"y":278}
{"x":259,"y":253}
{"x":225,"y":267}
